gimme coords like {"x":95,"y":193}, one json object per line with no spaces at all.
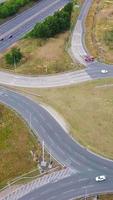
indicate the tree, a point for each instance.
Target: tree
{"x":14,"y":56}
{"x":52,"y":25}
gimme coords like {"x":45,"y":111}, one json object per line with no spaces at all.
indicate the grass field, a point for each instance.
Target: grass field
{"x":42,"y":57}
{"x":88,"y":110}
{"x":105,"y":197}
{"x":99,"y":24}
{"x":16,"y":142}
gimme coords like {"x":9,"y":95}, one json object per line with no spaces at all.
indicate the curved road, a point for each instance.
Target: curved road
{"x":78,"y":50}
{"x":85,"y":165}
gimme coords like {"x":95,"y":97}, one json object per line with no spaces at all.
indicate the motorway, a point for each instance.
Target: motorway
{"x":24,"y":22}
{"x":84,"y":164}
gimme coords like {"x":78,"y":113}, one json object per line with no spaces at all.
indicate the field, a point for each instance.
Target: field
{"x":16,"y":142}
{"x":99,"y":27}
{"x":87,"y":109}
{"x":42,"y":57}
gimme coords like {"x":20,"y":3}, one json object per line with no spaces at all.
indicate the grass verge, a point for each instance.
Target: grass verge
{"x":88,"y":110}
{"x":103,"y":197}
{"x":16,"y":142}
{"x":42,"y":57}
{"x":99,"y":25}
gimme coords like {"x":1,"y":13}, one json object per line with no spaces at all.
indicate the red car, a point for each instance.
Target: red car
{"x":88,"y":58}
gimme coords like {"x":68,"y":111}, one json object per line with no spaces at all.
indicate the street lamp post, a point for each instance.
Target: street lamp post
{"x":85,"y":193}
{"x":43,"y":163}
{"x":30,"y":120}
{"x":14,"y":63}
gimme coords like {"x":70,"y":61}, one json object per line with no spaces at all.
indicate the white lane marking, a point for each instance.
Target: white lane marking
{"x":72,"y":190}
{"x":83,"y":179}
{"x":27,"y":20}
{"x":88,"y":186}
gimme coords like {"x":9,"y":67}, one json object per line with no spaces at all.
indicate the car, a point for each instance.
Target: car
{"x":100,"y":178}
{"x":104,"y":71}
{"x":88,"y":58}
{"x":1,"y":39}
{"x":10,"y":36}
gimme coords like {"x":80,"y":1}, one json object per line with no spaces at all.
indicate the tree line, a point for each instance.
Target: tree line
{"x":11,"y":7}
{"x":53,"y":25}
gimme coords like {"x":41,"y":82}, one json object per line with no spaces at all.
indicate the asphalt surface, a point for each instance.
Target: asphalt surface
{"x":24,"y":22}
{"x":85,"y":165}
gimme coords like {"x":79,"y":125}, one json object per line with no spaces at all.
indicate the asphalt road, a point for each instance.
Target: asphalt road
{"x":85,"y":165}
{"x":24,"y":22}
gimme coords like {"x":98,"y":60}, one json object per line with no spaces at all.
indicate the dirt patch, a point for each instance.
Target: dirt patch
{"x":52,"y":50}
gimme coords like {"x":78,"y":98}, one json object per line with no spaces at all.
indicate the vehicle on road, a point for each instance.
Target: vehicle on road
{"x":88,"y":58}
{"x":100,"y":178}
{"x":104,"y":71}
{"x":10,"y":36}
{"x":1,"y":39}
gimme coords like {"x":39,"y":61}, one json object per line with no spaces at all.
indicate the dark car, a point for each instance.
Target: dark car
{"x":1,"y":39}
{"x":10,"y":36}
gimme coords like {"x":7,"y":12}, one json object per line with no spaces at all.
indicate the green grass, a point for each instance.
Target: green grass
{"x":16,"y":142}
{"x":108,"y":37}
{"x":87,"y":109}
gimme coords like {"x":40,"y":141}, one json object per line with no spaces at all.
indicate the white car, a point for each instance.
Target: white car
{"x":100,"y":178}
{"x":104,"y":71}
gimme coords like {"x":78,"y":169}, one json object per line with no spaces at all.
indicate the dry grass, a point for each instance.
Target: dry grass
{"x":99,"y":21}
{"x":87,"y":109}
{"x":42,"y":57}
{"x":104,"y":197}
{"x":15,"y":145}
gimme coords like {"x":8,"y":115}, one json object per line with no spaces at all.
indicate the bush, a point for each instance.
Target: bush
{"x":53,"y":25}
{"x":108,"y":37}
{"x":13,"y":57}
{"x":10,"y":7}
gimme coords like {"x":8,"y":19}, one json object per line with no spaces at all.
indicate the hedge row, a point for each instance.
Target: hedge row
{"x":11,"y":7}
{"x":53,"y":25}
